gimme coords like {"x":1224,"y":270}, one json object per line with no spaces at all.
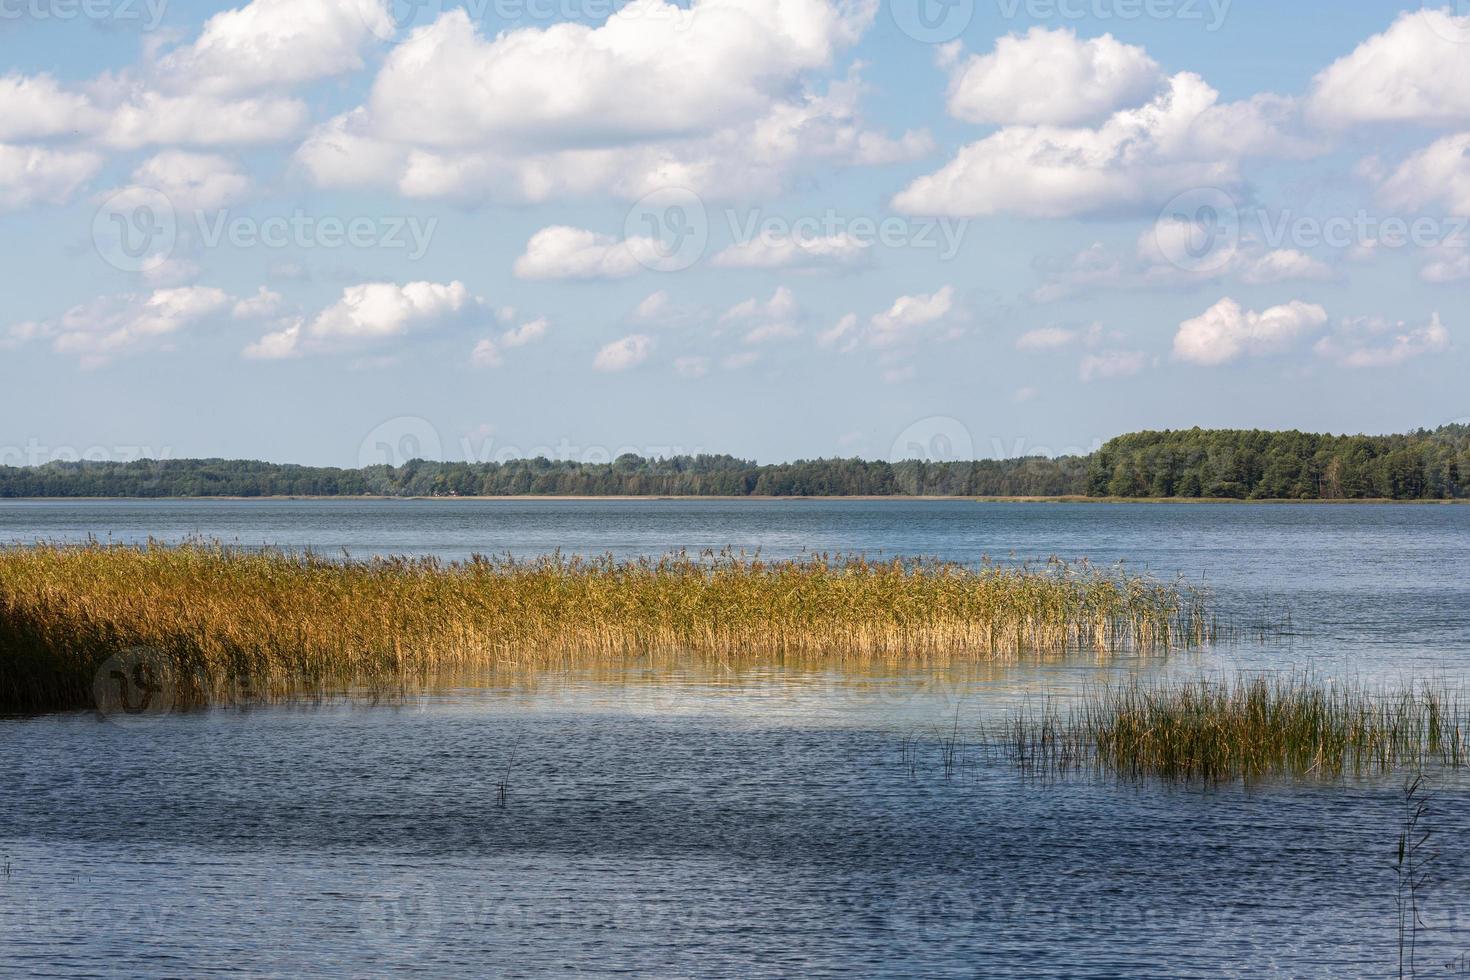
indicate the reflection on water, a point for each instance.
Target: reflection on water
{"x":682,"y":820}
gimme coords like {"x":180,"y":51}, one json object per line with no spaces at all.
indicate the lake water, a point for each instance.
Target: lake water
{"x":766,"y":824}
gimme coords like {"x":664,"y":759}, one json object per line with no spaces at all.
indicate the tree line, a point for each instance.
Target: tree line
{"x":1240,"y":464}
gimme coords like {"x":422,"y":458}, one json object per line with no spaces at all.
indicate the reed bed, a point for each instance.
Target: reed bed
{"x":1243,"y":729}
{"x":212,"y":618}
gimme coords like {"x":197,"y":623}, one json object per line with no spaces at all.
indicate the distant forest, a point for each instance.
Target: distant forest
{"x":1247,"y":465}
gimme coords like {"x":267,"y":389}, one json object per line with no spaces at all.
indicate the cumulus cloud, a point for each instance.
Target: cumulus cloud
{"x":1415,"y":71}
{"x":367,"y":313}
{"x":1111,"y":364}
{"x":561,"y":252}
{"x":1283,"y":265}
{"x":112,"y":325}
{"x":1058,"y":338}
{"x":265,"y":303}
{"x":276,"y":44}
{"x":623,"y":354}
{"x":1370,"y":343}
{"x":193,"y":180}
{"x":1084,"y":80}
{"x":37,"y":107}
{"x":795,"y":252}
{"x":490,"y":352}
{"x":1163,"y":258}
{"x":902,"y":321}
{"x":768,"y":320}
{"x":652,"y":70}
{"x":1447,"y":264}
{"x":714,"y":98}
{"x":842,"y":334}
{"x":1437,"y":176}
{"x":1226,"y":332}
{"x":1183,"y":138}
{"x":33,"y":175}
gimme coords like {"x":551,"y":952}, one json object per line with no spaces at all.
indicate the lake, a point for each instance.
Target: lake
{"x":766,"y":823}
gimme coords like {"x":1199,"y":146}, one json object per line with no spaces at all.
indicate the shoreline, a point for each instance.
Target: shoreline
{"x":765,"y":498}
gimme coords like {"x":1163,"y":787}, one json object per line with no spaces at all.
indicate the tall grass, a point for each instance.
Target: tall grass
{"x":1242,"y":729}
{"x":216,"y":616}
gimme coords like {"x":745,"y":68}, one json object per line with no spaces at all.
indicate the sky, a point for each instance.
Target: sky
{"x":346,"y":232}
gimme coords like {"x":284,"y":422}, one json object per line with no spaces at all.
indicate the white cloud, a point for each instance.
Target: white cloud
{"x":97,"y":331}
{"x":276,"y":44}
{"x":277,"y":345}
{"x":795,"y":252}
{"x":842,"y":334}
{"x":264,"y":303}
{"x":773,"y":319}
{"x":1083,"y":80}
{"x":714,"y":99}
{"x":1437,"y":176}
{"x":369,"y":312}
{"x":1046,"y":339}
{"x":36,"y":107}
{"x":1112,"y":364}
{"x":652,"y":70}
{"x":193,"y":180}
{"x":1283,"y":265}
{"x":34,"y":175}
{"x":1163,"y":258}
{"x":490,"y":352}
{"x":620,"y":355}
{"x":1371,"y":343}
{"x":147,"y":117}
{"x":561,"y":252}
{"x":1412,"y":72}
{"x":1184,"y":138}
{"x":1447,"y":264}
{"x":781,"y":305}
{"x":901,"y":321}
{"x":654,"y":307}
{"x":1226,"y":332}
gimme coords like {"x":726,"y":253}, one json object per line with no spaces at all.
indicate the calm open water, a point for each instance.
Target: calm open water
{"x":766,"y":824}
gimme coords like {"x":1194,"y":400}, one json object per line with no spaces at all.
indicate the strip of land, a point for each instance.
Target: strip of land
{"x":1193,"y":464}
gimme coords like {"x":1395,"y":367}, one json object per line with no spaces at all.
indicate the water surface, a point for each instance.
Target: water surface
{"x":761,"y":823}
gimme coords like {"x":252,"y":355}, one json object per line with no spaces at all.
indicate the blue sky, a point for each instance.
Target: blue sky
{"x":338,"y":231}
